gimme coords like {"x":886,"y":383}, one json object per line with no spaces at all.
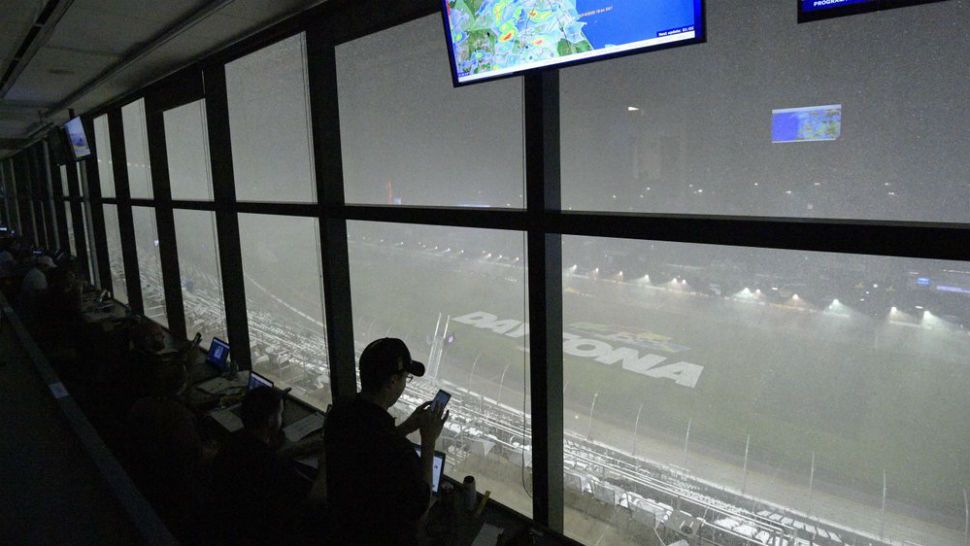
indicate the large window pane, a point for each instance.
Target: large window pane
{"x":269,"y":119}
{"x":149,"y":264}
{"x":136,"y":150}
{"x":457,"y":298}
{"x":747,"y":386}
{"x":102,"y":139}
{"x":409,"y":137}
{"x":116,"y":260}
{"x":72,"y":246}
{"x":187,"y":145}
{"x":92,"y":265}
{"x":202,"y":295}
{"x":81,"y":180}
{"x":65,"y":188}
{"x":284,"y":300}
{"x":691,"y":129}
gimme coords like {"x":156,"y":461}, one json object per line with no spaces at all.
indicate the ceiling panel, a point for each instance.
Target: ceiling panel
{"x":263,"y":10}
{"x":116,"y":26}
{"x":95,"y":35}
{"x":16,"y":18}
{"x":54,"y":70}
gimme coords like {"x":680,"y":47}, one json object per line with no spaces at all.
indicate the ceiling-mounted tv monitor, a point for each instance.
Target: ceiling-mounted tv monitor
{"x":489,"y":39}
{"x":77,"y":139}
{"x":813,"y":10}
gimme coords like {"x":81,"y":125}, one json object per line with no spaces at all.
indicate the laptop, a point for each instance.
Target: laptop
{"x":218,"y":355}
{"x":230,"y":418}
{"x":438,"y":468}
{"x":256,"y":381}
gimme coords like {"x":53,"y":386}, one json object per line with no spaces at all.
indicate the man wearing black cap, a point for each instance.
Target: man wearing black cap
{"x":377,"y":486}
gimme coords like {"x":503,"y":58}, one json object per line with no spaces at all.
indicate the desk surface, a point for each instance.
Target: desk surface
{"x":450,"y":524}
{"x":91,"y":315}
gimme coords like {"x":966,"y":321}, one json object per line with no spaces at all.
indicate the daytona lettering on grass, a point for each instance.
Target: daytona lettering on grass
{"x":683,"y":373}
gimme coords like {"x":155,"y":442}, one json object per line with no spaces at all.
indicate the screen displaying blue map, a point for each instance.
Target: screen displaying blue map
{"x":492,"y":38}
{"x":79,"y":141}
{"x":808,"y":124}
{"x":815,"y":5}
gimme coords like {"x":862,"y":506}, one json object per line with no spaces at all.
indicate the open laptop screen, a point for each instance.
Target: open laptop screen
{"x":218,"y":354}
{"x":438,"y":468}
{"x":256,"y":381}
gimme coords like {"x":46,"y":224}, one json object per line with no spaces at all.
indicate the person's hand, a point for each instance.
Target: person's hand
{"x":414,"y":421}
{"x":432,"y":424}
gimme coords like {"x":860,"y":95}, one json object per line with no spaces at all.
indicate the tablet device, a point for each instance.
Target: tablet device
{"x":438,"y":470}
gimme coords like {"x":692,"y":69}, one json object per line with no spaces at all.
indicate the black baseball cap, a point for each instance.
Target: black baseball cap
{"x":385,"y":357}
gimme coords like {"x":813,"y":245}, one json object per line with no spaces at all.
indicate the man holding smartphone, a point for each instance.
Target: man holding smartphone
{"x":377,"y":487}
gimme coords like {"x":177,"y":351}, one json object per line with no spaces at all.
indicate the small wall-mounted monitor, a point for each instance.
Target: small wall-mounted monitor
{"x":77,"y":139}
{"x":813,"y":10}
{"x":806,"y":124}
{"x":488,"y":40}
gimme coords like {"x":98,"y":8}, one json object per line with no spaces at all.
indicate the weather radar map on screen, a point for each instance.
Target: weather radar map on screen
{"x":807,"y":124}
{"x":79,"y":141}
{"x":492,"y":38}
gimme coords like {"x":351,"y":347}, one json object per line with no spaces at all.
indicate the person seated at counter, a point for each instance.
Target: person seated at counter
{"x":33,"y":288}
{"x":35,"y":280}
{"x":7,"y":260}
{"x":261,"y":497}
{"x":378,"y":488}
{"x":64,"y":293}
{"x":167,"y":451}
{"x":147,"y":338}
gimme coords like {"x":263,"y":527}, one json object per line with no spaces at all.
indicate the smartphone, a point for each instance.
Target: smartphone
{"x":440,"y":400}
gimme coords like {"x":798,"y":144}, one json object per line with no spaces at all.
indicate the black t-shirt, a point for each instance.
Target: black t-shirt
{"x":375,"y":485}
{"x":260,"y":495}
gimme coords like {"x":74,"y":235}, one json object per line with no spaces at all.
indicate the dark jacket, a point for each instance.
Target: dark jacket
{"x":259,"y":494}
{"x":375,"y":485}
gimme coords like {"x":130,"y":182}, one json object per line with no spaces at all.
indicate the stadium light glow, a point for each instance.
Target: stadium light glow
{"x":930,"y":320}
